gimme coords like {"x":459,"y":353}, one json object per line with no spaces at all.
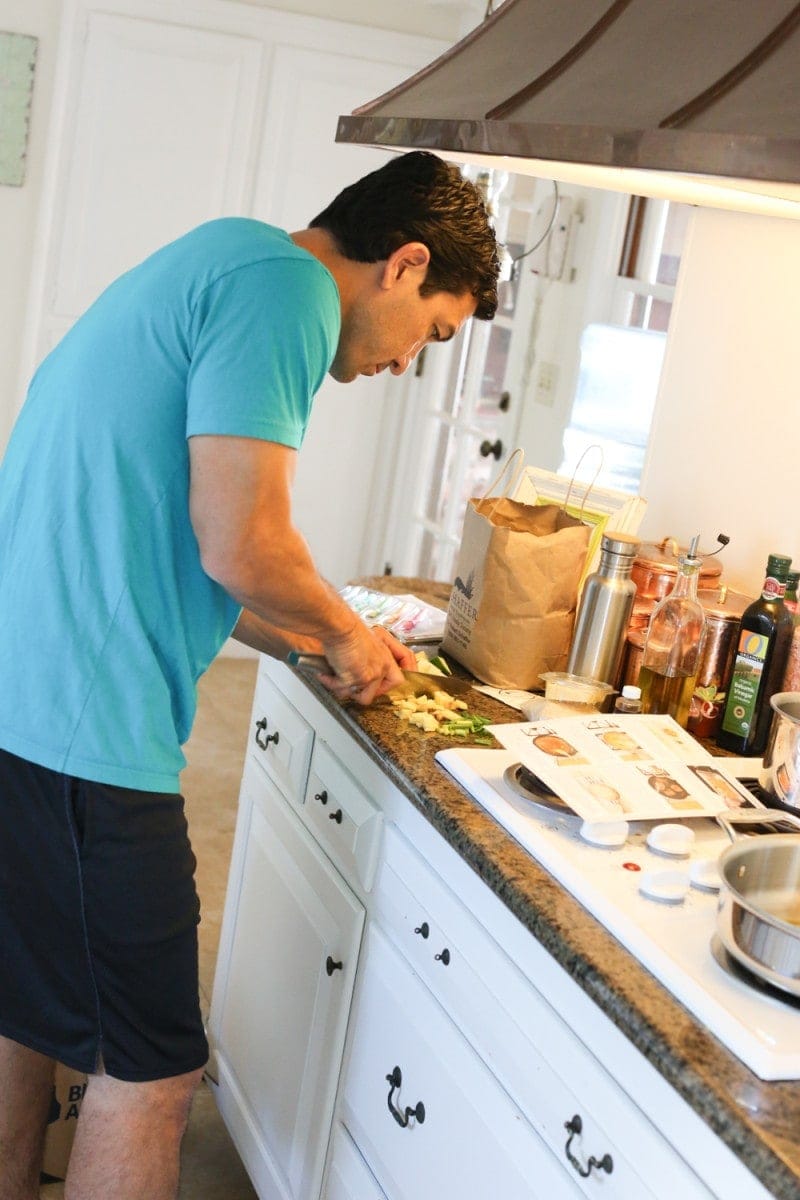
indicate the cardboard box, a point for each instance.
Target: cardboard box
{"x":65,"y":1106}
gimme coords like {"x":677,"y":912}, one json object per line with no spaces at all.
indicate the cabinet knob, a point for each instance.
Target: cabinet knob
{"x":403,"y":1116}
{"x":493,"y":448}
{"x":331,"y":966}
{"x":263,"y":738}
{"x":423,"y":930}
{"x":337,"y":816}
{"x":321,"y":796}
{"x":444,"y":957}
{"x":606,"y":1163}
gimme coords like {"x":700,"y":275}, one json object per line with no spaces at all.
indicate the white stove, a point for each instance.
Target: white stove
{"x":672,"y":940}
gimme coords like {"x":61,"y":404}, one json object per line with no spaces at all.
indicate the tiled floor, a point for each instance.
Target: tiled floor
{"x":210,"y":1166}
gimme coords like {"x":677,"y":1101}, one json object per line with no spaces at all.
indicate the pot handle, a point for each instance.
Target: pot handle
{"x":764,"y":816}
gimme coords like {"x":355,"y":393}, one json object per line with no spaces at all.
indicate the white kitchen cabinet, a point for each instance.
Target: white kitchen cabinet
{"x":282,"y":995}
{"x":428,"y":1115}
{"x":348,"y":1176}
{"x":489,"y":1033}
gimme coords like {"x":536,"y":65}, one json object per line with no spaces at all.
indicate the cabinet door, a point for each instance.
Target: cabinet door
{"x":427,"y":1114}
{"x":280,"y":1011}
{"x":348,"y":1177}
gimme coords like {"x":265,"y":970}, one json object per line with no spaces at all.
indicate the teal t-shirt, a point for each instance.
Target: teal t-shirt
{"x":107,"y":618}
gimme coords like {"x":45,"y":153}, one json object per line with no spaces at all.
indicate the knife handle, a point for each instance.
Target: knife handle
{"x":310,"y":662}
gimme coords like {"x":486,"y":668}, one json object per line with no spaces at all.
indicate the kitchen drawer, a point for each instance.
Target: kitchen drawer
{"x":348,"y":1176}
{"x":468,"y":1140}
{"x":280,"y":739}
{"x":542,"y":1063}
{"x":343,"y":818}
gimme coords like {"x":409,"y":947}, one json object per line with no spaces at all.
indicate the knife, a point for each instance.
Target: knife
{"x":415,"y":683}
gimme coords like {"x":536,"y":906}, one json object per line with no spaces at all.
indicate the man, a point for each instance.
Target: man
{"x":144,"y":516}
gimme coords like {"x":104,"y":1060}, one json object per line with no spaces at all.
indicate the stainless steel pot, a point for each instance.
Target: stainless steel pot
{"x":758,"y":918}
{"x":780,"y":772}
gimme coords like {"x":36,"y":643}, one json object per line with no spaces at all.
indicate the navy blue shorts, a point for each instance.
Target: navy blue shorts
{"x":98,"y":925}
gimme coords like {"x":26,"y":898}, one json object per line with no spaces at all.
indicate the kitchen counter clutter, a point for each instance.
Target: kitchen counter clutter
{"x":408,"y":1005}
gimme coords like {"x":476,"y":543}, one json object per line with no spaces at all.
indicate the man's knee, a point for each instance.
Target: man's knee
{"x":165,"y":1100}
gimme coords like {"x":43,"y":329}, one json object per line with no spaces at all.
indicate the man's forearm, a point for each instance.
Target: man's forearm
{"x":280,"y":587}
{"x":262,"y":635}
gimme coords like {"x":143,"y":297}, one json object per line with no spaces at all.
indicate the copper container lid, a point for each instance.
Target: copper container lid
{"x":662,"y":557}
{"x":722,"y":603}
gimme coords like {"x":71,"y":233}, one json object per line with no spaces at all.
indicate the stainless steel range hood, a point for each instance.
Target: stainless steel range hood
{"x":696,"y":100}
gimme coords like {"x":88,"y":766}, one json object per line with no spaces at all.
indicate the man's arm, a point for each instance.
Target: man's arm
{"x":240,"y":508}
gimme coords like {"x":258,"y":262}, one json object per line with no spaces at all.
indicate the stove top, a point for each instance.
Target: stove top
{"x":672,"y":940}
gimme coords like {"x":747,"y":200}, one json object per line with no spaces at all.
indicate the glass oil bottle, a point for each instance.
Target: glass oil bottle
{"x":673,"y":644}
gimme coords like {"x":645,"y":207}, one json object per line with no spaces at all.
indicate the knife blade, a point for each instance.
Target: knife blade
{"x":415,"y":683}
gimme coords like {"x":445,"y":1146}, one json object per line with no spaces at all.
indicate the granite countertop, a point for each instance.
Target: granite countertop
{"x":759,"y":1121}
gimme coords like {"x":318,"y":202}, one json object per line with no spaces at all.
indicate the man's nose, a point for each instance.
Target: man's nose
{"x":403,"y":361}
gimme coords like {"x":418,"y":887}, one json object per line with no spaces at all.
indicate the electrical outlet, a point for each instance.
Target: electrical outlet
{"x":546,"y":382}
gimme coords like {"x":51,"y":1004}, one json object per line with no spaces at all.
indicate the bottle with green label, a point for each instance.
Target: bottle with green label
{"x":764,"y":637}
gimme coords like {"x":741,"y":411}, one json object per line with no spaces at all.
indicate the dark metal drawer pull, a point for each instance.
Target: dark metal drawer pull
{"x":606,"y":1163}
{"x":261,"y":727}
{"x":403,"y":1116}
{"x":444,"y":957}
{"x":423,"y":929}
{"x":321,"y":796}
{"x":337,"y":816}
{"x":331,"y":966}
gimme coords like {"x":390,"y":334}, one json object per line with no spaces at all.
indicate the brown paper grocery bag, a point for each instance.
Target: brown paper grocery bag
{"x":512,"y":607}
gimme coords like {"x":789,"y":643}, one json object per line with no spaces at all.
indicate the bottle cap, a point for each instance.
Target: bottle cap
{"x":620,"y":543}
{"x":778,"y":566}
{"x":631,"y":692}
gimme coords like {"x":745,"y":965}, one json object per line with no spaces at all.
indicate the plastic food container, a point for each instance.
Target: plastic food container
{"x":574,"y":689}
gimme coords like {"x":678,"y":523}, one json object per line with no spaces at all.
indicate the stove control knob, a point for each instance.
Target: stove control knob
{"x":705,"y":876}
{"x":667,"y":887}
{"x":604,"y":833}
{"x":673,"y":841}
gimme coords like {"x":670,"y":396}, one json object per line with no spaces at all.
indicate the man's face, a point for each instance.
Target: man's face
{"x":386,"y":327}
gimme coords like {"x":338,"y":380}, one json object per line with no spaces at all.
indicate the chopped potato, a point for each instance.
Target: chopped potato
{"x":441,"y":713}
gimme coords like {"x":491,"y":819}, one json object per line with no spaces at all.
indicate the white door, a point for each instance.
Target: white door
{"x":166,"y":115}
{"x":280,"y":1011}
{"x":337,"y":489}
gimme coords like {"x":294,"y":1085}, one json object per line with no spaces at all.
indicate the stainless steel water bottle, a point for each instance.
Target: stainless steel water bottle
{"x":604,"y":611}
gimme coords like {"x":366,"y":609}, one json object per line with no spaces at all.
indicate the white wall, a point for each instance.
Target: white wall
{"x":725,"y":442}
{"x":19,"y":205}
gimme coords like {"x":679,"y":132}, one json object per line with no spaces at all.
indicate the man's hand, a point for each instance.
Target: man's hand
{"x":368,"y":662}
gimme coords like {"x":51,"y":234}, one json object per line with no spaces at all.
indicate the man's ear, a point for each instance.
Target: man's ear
{"x":411,"y":257}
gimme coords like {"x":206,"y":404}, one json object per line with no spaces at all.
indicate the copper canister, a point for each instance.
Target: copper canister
{"x":654,"y":572}
{"x":723,"y":611}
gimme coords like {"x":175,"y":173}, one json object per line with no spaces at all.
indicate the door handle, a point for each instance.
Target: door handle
{"x":261,"y":728}
{"x":403,"y":1116}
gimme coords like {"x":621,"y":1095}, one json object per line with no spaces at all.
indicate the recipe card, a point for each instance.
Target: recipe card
{"x":632,"y":767}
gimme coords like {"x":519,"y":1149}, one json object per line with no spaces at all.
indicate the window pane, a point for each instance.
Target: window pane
{"x":617,"y":383}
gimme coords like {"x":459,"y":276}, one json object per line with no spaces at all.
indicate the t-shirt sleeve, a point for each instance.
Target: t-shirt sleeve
{"x":263,"y":338}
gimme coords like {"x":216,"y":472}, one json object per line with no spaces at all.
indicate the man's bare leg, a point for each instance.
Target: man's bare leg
{"x":127,"y":1142}
{"x":26,"y":1081}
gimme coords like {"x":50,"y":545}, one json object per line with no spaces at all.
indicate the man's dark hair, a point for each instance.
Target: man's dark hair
{"x":418,"y":197}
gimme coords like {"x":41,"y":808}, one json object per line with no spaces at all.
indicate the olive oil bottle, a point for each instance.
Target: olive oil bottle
{"x":764,"y":638}
{"x":672,"y":647}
